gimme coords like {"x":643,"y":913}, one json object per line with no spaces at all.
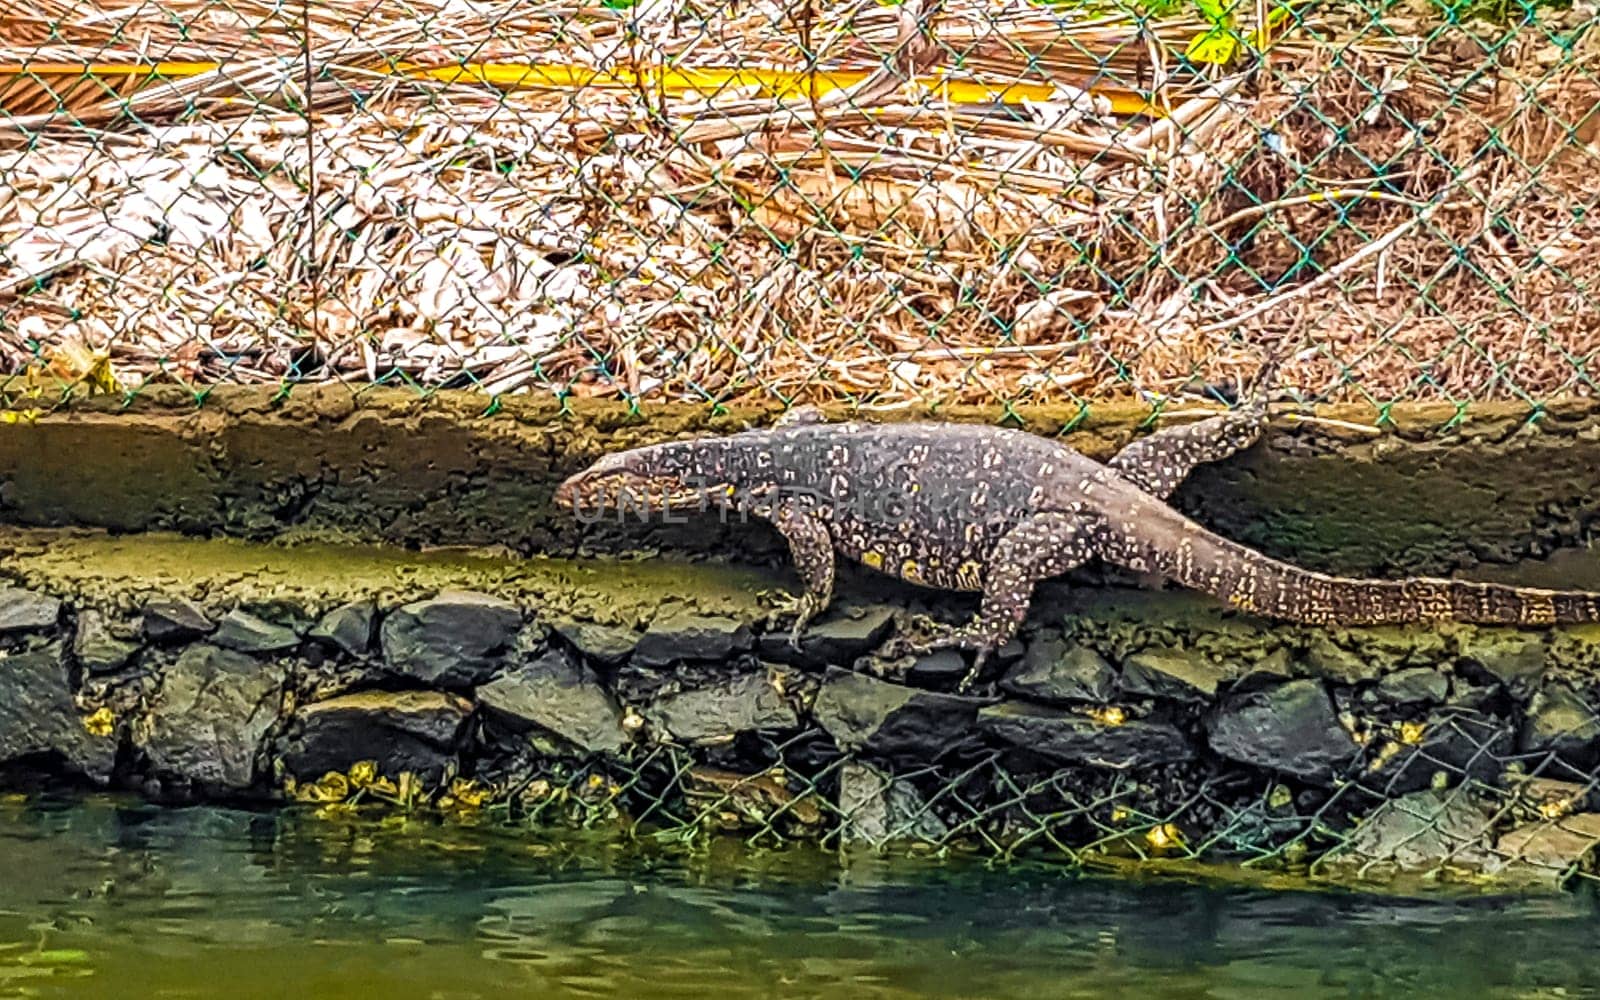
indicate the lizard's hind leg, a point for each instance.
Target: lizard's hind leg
{"x":1043,"y":546}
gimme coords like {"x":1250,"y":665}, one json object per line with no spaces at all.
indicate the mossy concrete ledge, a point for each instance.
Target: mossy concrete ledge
{"x":656,"y":698}
{"x":1434,"y":490}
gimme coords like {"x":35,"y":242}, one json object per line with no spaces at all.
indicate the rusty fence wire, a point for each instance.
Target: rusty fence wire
{"x":886,"y":203}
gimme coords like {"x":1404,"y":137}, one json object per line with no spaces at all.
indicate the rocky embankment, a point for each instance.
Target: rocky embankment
{"x":1123,"y":724}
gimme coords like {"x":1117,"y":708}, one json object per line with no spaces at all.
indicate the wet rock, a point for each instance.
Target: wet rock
{"x":1416,"y":833}
{"x":1290,"y":728}
{"x":884,"y":720}
{"x":941,"y":668}
{"x":351,"y":627}
{"x":771,"y":801}
{"x":1515,"y":660}
{"x":1072,"y":738}
{"x":1056,"y":672}
{"x":1561,"y":721}
{"x":683,"y":635}
{"x":1276,"y":666}
{"x":38,"y":717}
{"x":457,"y":639}
{"x":243,"y":632}
{"x":603,"y":644}
{"x":175,"y":620}
{"x":209,"y":717}
{"x":559,"y":695}
{"x":1549,"y":797}
{"x":27,"y":611}
{"x":1551,"y":851}
{"x":415,"y":731}
{"x":1328,"y":660}
{"x":1412,"y":686}
{"x":719,"y":711}
{"x":1172,"y":674}
{"x":836,"y":640}
{"x":96,"y":649}
{"x":878,"y":808}
{"x":1461,"y":744}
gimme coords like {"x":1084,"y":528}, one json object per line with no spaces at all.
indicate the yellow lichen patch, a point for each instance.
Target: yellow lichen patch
{"x":911,"y":570}
{"x":1108,"y":715}
{"x":1119,"y":813}
{"x":1555,"y":809}
{"x":1385,"y":754}
{"x":100,"y":722}
{"x":1165,"y":837}
{"x":872,"y":560}
{"x":331,"y":787}
{"x":1412,"y":732}
{"x":363,"y":773}
{"x":468,"y":794}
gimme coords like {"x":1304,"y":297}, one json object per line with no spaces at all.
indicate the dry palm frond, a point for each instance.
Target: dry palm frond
{"x":886,"y":240}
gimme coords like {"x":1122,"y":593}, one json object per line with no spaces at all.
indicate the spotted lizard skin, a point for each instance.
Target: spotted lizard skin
{"x":994,"y":511}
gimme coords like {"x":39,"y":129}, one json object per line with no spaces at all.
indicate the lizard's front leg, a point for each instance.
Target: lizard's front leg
{"x":1043,"y":546}
{"x":1159,"y":463}
{"x":811,"y":547}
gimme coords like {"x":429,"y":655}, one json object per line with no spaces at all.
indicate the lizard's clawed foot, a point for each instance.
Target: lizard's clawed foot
{"x":803,"y":607}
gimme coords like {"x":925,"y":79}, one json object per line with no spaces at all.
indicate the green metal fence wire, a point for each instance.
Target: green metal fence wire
{"x":890,"y":204}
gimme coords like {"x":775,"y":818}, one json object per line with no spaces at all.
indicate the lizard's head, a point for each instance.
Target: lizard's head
{"x":643,"y":480}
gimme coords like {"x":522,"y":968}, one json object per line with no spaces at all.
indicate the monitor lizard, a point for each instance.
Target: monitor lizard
{"x":992,"y":510}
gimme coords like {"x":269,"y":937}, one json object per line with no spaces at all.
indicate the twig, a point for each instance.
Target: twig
{"x":1334,"y":273}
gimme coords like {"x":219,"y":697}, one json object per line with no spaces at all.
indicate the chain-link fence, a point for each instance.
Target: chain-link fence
{"x":909,"y":203}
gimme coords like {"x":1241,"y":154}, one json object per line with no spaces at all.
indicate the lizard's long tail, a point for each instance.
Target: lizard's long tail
{"x":1170,"y":544}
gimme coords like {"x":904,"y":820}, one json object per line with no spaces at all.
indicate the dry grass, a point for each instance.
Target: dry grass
{"x":882,"y":243}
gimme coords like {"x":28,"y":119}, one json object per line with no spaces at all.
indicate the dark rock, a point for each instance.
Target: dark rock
{"x":1552,"y":852}
{"x":836,"y":640}
{"x":1055,"y":672}
{"x":209,"y":717}
{"x":1463,"y":744}
{"x":684,"y":635}
{"x":1417,"y":832}
{"x":1264,"y":671}
{"x":1330,"y":661}
{"x":877,"y":808}
{"x":415,"y":731}
{"x":1172,"y":674}
{"x":26,"y":611}
{"x":38,"y":717}
{"x":884,"y":720}
{"x":603,"y":644}
{"x":457,"y":639}
{"x":1413,"y":686}
{"x":941,"y":668}
{"x":1515,"y":660}
{"x":1078,"y":739}
{"x":350,"y":627}
{"x":1561,"y":721}
{"x":96,"y":649}
{"x":175,"y":620}
{"x":1290,"y":728}
{"x":559,"y":695}
{"x":718,"y":711}
{"x":243,"y":632}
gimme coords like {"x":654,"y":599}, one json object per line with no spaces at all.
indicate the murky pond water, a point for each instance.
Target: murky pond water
{"x":104,"y":898}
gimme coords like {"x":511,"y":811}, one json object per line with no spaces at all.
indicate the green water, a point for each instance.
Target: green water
{"x":108,"y":899}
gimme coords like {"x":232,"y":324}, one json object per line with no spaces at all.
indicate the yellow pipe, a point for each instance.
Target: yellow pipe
{"x":782,"y":83}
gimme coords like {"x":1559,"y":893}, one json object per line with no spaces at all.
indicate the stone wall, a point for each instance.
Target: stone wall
{"x":1123,"y":724}
{"x":1437,"y":490}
